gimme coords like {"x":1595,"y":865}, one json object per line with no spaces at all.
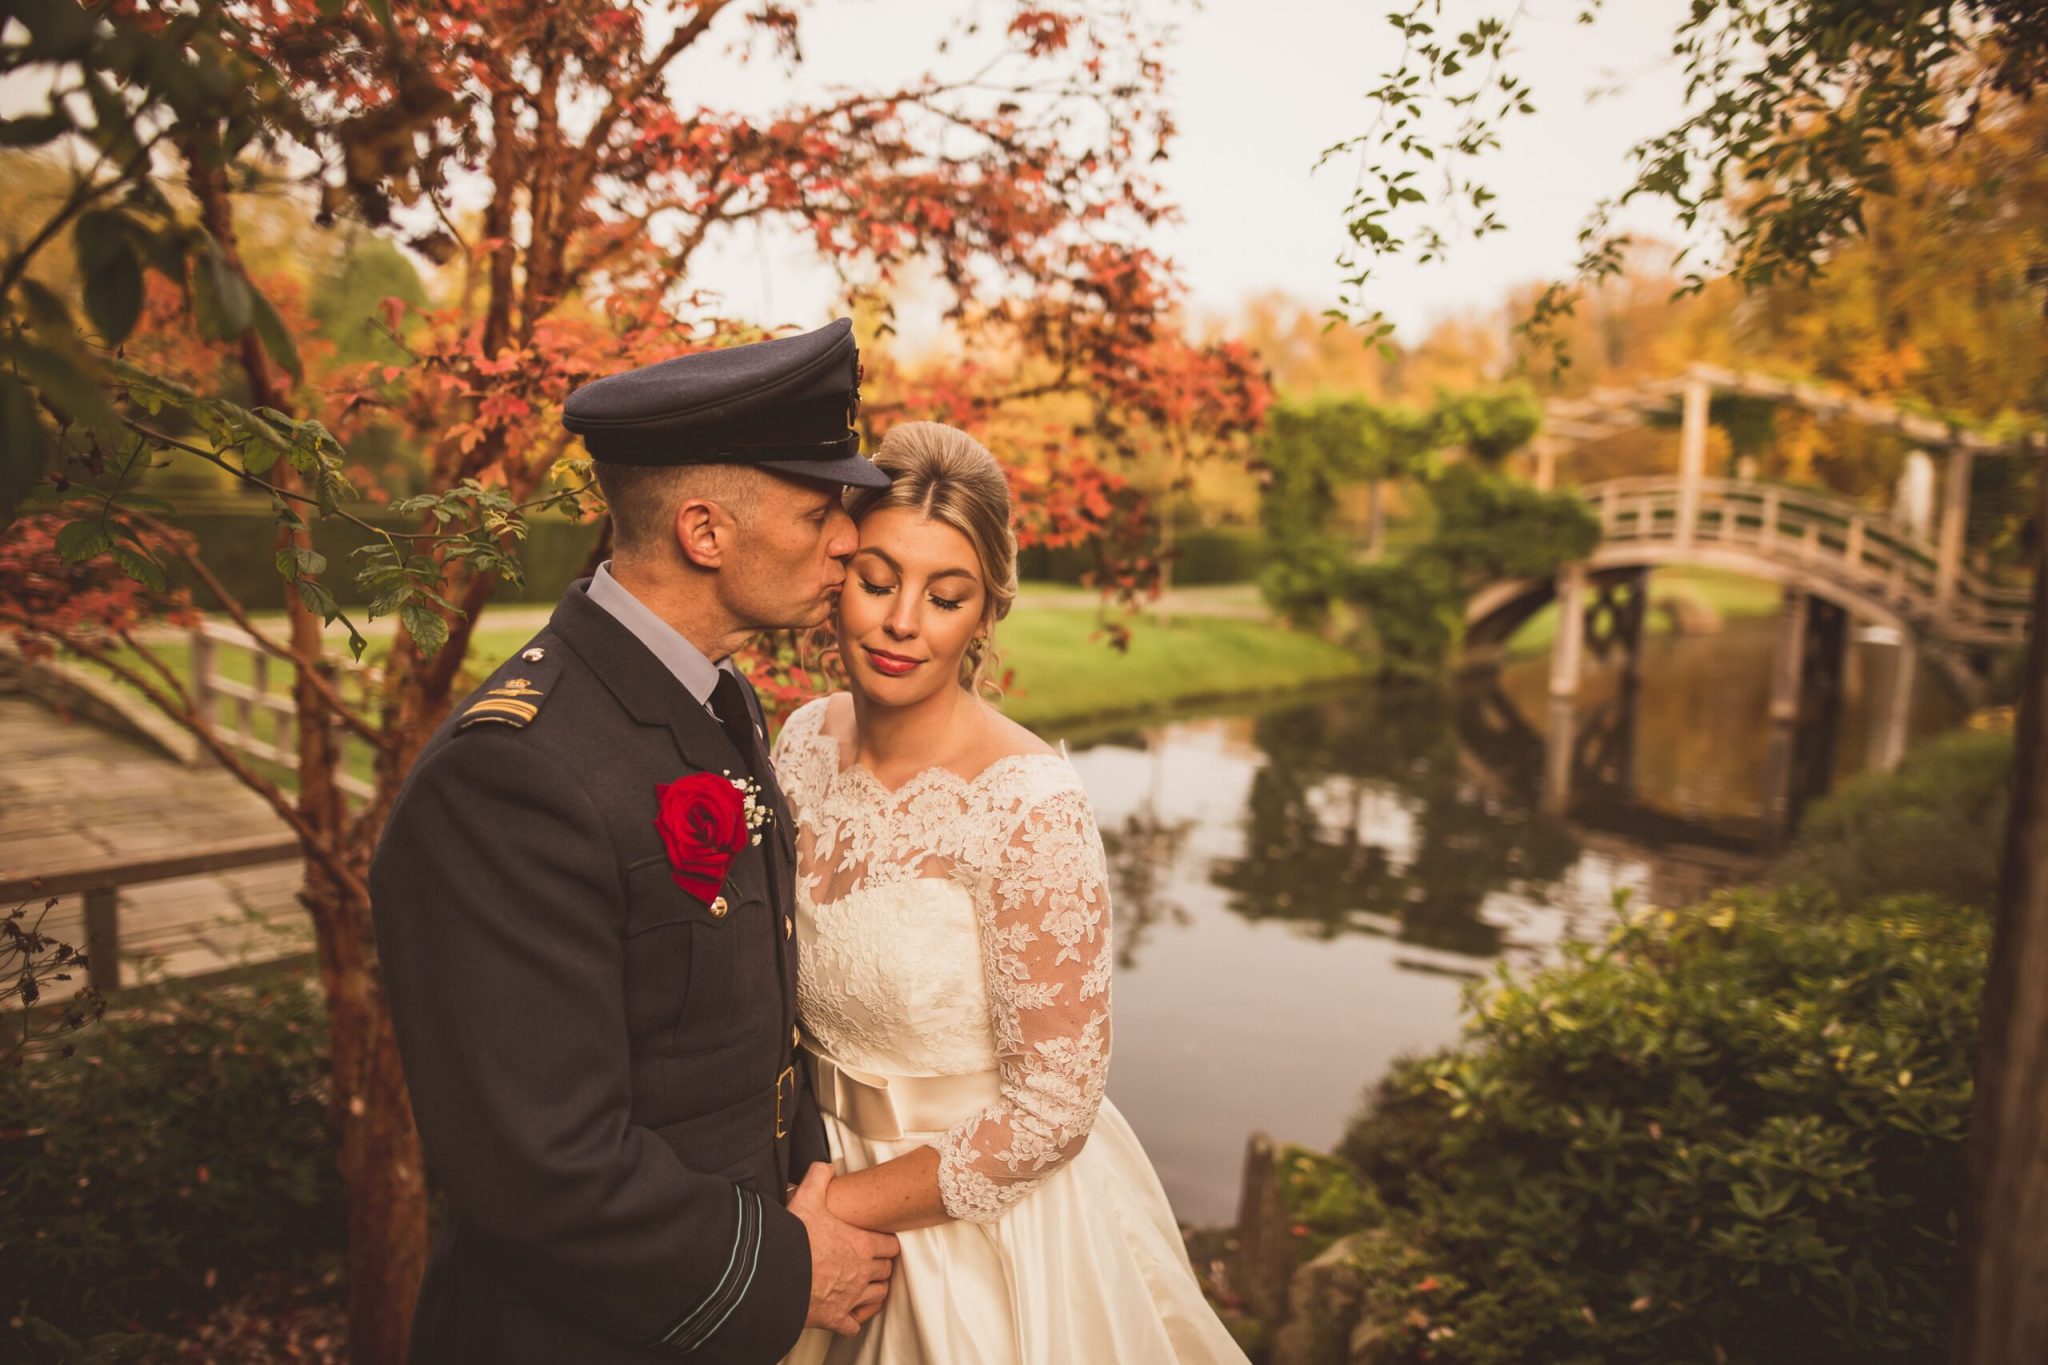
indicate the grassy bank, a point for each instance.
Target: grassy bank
{"x":1065,"y":672}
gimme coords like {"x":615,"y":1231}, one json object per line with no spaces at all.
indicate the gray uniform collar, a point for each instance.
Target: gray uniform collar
{"x":687,"y":662}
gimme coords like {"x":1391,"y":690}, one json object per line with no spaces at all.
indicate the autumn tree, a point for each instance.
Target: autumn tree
{"x":553,"y":157}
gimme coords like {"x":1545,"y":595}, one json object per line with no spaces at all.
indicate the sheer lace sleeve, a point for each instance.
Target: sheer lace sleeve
{"x":1045,"y":934}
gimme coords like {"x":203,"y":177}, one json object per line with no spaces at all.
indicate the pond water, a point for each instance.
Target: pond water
{"x":1303,"y":889}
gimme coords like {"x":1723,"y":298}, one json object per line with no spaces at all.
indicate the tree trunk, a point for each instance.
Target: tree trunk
{"x":381,"y":1163}
{"x":379,"y":1149}
{"x":2003,"y":1315}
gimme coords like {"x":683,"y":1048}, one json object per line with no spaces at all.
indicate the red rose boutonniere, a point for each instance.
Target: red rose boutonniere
{"x":702,"y":821}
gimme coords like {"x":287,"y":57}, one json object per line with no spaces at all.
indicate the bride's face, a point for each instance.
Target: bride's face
{"x":913,"y":602}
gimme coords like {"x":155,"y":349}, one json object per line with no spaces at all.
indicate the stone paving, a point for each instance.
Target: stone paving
{"x":72,"y":795}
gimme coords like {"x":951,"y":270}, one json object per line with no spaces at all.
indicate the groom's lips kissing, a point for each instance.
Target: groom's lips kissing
{"x":895,"y":665}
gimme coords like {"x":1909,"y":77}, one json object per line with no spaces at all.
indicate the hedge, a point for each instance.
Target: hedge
{"x":241,"y":549}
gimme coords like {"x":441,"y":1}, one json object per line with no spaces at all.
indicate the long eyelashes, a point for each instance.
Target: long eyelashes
{"x":884,"y":589}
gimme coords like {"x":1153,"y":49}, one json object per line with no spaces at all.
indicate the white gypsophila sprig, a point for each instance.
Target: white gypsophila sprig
{"x":757,"y":810}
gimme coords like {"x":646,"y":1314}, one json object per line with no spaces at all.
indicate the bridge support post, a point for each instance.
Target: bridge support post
{"x":1955,"y":519}
{"x":103,"y":937}
{"x":1896,"y":715}
{"x":1560,"y":740}
{"x":1567,"y":654}
{"x":1789,"y":659}
{"x":1692,"y":456}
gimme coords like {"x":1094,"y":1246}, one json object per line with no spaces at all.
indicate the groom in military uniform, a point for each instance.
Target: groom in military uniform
{"x":589,"y":955}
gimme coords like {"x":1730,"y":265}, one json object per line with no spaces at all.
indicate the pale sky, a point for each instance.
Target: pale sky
{"x":1259,"y":88}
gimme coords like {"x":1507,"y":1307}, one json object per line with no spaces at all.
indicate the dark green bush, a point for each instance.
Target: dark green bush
{"x":1936,"y":825}
{"x":185,"y":1147}
{"x":1223,"y":554}
{"x":1730,"y":1133}
{"x":240,"y":547}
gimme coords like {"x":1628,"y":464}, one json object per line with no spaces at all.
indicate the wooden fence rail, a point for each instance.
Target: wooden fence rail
{"x":252,"y":705}
{"x":100,"y":885}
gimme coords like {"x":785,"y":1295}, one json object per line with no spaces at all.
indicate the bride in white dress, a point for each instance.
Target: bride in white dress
{"x":955,"y":970}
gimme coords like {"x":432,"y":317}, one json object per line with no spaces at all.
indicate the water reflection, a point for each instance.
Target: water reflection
{"x":1302,"y":889}
{"x":1364,"y":819}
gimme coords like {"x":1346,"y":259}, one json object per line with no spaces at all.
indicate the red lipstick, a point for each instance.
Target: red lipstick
{"x":894,"y":665}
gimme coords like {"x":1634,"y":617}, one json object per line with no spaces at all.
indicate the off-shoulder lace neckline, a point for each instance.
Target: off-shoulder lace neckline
{"x":839,"y":769}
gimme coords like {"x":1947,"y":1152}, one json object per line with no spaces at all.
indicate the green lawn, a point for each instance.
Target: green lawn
{"x":1065,"y":673}
{"x":1731,"y":594}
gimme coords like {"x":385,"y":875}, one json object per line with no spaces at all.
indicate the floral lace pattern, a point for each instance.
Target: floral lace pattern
{"x":954,"y":925}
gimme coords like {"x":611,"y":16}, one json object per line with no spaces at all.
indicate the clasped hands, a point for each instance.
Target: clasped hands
{"x":850,"y":1266}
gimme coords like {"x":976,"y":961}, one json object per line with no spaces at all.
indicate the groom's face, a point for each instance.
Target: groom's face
{"x":789,"y":556}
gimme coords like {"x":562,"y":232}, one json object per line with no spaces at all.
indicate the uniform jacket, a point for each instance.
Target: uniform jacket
{"x":599,"y":1061}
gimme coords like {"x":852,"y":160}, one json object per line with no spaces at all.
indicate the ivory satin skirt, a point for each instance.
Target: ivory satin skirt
{"x":1088,"y":1268}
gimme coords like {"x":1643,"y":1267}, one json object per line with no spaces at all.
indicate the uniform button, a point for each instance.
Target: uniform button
{"x":534,"y":655}
{"x":718,"y":908}
{"x":788,"y":926}
{"x":796,"y":1036}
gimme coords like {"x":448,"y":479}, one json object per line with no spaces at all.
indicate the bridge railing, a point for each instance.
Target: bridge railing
{"x":241,"y":702}
{"x":1824,"y":535}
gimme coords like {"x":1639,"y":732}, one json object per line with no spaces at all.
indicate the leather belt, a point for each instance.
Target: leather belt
{"x":882,"y":1108}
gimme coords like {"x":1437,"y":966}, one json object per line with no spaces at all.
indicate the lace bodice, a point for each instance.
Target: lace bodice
{"x":957,"y":925}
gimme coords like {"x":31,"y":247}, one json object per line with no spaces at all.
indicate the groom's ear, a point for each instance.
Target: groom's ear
{"x":705,"y":531}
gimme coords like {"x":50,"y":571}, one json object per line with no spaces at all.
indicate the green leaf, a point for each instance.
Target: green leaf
{"x":24,"y":447}
{"x":81,"y":540}
{"x":140,"y":567}
{"x":98,"y":235}
{"x":46,"y":309}
{"x":296,"y":562}
{"x":58,"y":29}
{"x":72,"y":390}
{"x":276,"y":337}
{"x":113,"y":295}
{"x":317,"y":599}
{"x":259,"y":457}
{"x":33,"y":130}
{"x":220,"y":296}
{"x":429,"y":630}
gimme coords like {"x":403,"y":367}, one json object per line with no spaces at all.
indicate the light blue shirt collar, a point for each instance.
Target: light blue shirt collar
{"x":695,"y":672}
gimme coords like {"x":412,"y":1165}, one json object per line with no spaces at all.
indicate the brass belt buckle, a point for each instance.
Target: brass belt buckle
{"x":788,"y":1074}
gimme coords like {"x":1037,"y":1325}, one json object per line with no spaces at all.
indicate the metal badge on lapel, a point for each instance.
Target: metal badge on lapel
{"x":719,"y":907}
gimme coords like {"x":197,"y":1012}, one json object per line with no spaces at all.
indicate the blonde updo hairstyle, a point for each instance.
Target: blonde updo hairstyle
{"x":947,"y":476}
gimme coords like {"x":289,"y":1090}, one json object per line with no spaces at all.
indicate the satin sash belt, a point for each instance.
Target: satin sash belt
{"x":882,"y":1108}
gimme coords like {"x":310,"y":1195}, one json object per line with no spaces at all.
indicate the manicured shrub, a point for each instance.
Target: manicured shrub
{"x":184,"y":1147}
{"x":1730,"y":1133}
{"x":1936,"y":825}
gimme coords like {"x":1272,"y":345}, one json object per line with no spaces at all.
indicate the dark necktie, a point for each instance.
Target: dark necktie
{"x":729,"y":704}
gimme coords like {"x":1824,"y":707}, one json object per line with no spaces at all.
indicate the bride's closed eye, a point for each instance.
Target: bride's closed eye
{"x":874,"y":589}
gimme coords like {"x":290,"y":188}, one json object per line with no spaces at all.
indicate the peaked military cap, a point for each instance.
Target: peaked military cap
{"x":785,"y":405}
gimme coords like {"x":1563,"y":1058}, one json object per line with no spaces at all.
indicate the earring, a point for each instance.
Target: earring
{"x":976,"y":647}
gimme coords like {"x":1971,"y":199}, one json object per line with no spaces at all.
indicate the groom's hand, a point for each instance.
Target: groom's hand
{"x":849,"y":1266}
